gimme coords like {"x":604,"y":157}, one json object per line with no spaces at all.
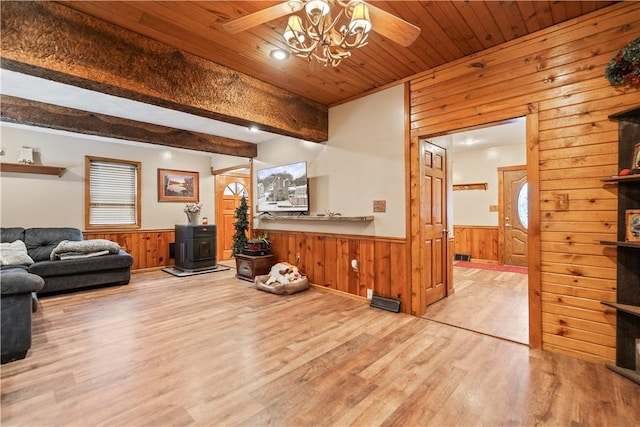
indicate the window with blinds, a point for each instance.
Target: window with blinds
{"x":113,"y":193}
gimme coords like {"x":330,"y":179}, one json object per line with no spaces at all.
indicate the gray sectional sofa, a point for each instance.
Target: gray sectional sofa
{"x":17,"y":288}
{"x":65,"y":274}
{"x":36,"y":266}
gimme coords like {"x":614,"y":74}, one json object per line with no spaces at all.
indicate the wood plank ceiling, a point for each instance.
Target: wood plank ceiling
{"x":450,"y":30}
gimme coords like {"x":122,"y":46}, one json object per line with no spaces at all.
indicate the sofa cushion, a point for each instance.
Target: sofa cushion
{"x":41,"y":241}
{"x":14,"y":253}
{"x":11,"y":234}
{"x":68,"y":267}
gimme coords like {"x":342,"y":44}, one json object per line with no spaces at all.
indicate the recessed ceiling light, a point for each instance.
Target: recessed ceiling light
{"x":253,"y":128}
{"x":279,"y":54}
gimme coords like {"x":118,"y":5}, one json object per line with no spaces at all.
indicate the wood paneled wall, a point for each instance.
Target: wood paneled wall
{"x":326,"y":260}
{"x":149,"y":248}
{"x":558,"y":74}
{"x":481,"y":242}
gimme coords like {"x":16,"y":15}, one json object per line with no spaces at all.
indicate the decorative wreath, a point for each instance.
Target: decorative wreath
{"x":624,"y":68}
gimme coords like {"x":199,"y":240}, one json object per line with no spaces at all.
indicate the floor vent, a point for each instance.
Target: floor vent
{"x":385,"y":303}
{"x":462,"y":257}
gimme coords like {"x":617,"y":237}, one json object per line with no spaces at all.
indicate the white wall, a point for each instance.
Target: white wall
{"x":48,"y":201}
{"x":362,"y":161}
{"x":471,"y":207}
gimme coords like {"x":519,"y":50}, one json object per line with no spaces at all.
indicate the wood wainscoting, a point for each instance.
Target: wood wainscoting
{"x":382,"y":263}
{"x":324,"y":258}
{"x":149,"y":248}
{"x":479,"y":241}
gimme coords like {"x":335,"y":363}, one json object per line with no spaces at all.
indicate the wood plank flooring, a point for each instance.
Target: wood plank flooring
{"x":210,"y":350}
{"x":490,"y":302}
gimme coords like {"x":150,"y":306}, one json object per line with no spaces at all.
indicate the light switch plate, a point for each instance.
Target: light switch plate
{"x":561,"y":201}
{"x":379,"y":205}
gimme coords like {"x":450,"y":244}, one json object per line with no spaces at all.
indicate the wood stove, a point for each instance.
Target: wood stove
{"x":195,"y":247}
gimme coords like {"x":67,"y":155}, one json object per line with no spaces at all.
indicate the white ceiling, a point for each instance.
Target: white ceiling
{"x":47,"y":91}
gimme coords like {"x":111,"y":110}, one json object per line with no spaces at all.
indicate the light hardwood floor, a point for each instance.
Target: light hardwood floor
{"x":486,"y":301}
{"x":210,"y":350}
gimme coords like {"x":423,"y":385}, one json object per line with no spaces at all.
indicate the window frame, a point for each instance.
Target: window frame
{"x":87,"y":194}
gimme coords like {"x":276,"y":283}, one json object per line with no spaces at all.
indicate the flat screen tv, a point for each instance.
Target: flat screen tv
{"x":283,"y":188}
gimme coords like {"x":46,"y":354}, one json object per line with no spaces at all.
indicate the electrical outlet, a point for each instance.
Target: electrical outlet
{"x":369,"y":293}
{"x":297,"y":258}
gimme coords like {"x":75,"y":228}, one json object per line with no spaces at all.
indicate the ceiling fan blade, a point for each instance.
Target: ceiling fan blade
{"x":390,"y":26}
{"x":260,"y":17}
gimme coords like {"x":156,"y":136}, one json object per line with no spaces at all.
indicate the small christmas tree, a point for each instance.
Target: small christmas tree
{"x":241,"y":226}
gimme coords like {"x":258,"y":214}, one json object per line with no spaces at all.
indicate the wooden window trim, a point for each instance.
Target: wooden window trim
{"x":87,"y":186}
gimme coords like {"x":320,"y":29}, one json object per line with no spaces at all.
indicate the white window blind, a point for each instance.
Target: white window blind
{"x":112,"y":193}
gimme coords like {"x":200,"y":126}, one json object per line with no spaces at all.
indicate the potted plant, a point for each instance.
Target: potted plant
{"x":241,"y":226}
{"x":259,"y":245}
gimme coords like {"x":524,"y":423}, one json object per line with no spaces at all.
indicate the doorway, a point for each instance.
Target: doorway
{"x":489,"y":297}
{"x":231,"y":185}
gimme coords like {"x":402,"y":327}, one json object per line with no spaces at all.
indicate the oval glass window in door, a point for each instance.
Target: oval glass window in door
{"x":523,"y":205}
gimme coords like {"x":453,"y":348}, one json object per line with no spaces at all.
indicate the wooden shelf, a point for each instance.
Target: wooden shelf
{"x":627,"y":308}
{"x":35,"y":169}
{"x":628,"y":269}
{"x":621,"y":244}
{"x":474,"y":186}
{"x":317,"y":218}
{"x":627,"y":373}
{"x":626,"y":178}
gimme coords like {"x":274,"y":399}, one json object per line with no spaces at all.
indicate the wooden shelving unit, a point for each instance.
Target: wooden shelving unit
{"x":34,"y":169}
{"x":632,"y":309}
{"x":337,"y":218}
{"x":623,"y":244}
{"x":627,"y":303}
{"x":625,"y":178}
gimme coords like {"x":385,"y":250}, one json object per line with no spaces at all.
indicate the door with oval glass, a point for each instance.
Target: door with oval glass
{"x":515,"y":214}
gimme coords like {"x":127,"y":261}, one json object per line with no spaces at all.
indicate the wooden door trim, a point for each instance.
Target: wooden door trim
{"x":232,"y":170}
{"x":534,"y":243}
{"x":533,"y":176}
{"x":501,"y":171}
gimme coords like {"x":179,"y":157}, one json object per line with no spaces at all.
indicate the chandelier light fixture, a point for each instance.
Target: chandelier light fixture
{"x":325,"y":38}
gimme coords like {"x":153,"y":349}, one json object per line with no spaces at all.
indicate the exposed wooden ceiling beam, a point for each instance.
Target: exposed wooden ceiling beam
{"x":17,"y":110}
{"x":55,"y":42}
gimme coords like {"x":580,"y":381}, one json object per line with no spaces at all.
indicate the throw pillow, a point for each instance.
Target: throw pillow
{"x":14,"y":253}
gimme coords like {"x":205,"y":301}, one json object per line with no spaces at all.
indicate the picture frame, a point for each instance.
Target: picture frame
{"x":632,"y":225}
{"x":635,"y":159}
{"x":178,"y":186}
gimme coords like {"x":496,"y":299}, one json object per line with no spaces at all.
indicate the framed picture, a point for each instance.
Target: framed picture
{"x":178,"y":186}
{"x":636,"y":157}
{"x":632,"y":225}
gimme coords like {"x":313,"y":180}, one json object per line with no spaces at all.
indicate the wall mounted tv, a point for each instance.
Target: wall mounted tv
{"x":283,"y":188}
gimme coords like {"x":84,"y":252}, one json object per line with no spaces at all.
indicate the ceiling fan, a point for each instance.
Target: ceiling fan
{"x":382,"y":22}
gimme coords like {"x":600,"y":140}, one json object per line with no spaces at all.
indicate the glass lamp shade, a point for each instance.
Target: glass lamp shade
{"x":294,"y":32}
{"x":317,"y":8}
{"x":360,"y":21}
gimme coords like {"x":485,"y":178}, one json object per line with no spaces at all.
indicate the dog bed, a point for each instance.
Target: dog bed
{"x":279,"y":288}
